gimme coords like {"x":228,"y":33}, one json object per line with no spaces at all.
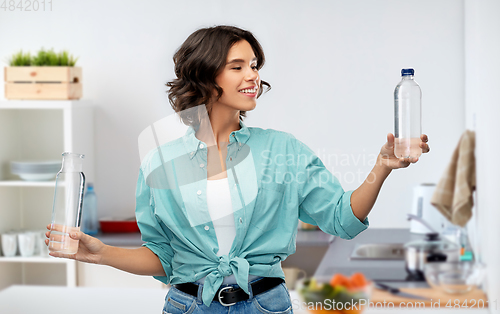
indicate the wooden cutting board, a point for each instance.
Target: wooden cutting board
{"x":437,"y":299}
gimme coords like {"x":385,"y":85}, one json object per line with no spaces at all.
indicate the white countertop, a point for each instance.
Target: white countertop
{"x":85,"y":300}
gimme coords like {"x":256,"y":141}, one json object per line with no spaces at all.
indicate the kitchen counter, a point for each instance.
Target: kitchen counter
{"x":50,"y":299}
{"x":130,"y":239}
{"x":313,"y":238}
{"x":133,"y":239}
{"x":392,"y":272}
{"x":336,"y":258}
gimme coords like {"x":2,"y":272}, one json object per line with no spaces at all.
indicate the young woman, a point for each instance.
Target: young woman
{"x":218,"y":208}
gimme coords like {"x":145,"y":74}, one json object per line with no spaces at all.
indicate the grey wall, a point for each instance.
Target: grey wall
{"x":333,"y":66}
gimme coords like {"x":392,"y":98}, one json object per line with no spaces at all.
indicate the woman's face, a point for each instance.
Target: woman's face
{"x":239,"y":78}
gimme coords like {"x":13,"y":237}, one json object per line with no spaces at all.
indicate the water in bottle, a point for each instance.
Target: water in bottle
{"x":67,"y":207}
{"x":407,"y":116}
{"x":90,"y":224}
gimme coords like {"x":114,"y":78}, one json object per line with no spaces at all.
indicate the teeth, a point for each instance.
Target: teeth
{"x":251,"y":91}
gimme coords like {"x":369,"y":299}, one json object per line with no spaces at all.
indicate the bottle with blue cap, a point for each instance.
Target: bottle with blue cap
{"x":407,"y":116}
{"x":90,"y":223}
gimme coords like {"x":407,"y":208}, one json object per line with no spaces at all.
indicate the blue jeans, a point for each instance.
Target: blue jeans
{"x":275,"y":300}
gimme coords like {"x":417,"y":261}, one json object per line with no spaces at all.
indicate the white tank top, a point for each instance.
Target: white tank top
{"x":221,"y":212}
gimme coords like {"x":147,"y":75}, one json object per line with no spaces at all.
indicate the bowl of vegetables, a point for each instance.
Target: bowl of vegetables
{"x":342,"y":294}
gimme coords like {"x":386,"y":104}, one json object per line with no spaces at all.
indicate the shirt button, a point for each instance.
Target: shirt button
{"x":240,"y":144}
{"x":192,"y":153}
{"x":199,"y":192}
{"x":201,"y":146}
{"x":233,"y":135}
{"x":207,"y":227}
{"x":202,"y":165}
{"x":241,"y":220}
{"x":230,"y":158}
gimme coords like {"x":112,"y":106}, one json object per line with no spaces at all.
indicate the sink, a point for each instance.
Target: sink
{"x":378,"y":251}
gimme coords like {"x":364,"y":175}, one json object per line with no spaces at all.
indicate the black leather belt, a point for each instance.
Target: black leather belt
{"x":228,"y":295}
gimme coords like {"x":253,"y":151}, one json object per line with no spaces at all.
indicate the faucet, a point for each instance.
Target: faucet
{"x":423,"y":222}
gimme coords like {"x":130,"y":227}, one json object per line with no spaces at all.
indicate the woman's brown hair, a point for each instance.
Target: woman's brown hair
{"x":198,"y":62}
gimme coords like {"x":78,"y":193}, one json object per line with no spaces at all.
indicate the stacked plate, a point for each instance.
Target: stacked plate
{"x":35,"y":170}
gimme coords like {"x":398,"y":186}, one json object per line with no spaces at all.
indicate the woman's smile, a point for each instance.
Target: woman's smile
{"x":249,"y":91}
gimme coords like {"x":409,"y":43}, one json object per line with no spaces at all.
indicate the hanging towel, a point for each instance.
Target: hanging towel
{"x":453,"y":194}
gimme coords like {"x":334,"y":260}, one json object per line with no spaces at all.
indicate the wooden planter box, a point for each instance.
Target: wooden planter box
{"x":46,"y":82}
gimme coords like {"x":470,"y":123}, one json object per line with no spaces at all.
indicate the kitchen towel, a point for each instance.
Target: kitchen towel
{"x":453,"y":194}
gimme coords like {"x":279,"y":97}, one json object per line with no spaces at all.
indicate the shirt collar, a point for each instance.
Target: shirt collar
{"x":192,"y":143}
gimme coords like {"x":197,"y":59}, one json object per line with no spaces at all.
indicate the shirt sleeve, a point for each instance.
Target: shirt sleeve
{"x":322,"y":200}
{"x":156,"y":238}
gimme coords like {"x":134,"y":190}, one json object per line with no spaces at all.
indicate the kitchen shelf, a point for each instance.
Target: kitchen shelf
{"x":29,"y":183}
{"x":34,"y":259}
{"x":41,"y":104}
{"x":42,"y":270}
{"x":41,"y":130}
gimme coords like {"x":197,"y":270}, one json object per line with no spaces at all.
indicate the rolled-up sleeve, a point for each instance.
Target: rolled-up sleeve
{"x":156,"y":238}
{"x":322,"y":200}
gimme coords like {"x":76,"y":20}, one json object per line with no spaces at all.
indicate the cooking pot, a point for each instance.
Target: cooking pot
{"x":431,"y":249}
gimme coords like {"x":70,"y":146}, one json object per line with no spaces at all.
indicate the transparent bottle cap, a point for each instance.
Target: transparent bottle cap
{"x":72,"y":162}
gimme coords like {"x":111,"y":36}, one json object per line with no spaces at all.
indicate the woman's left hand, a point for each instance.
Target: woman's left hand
{"x":387,"y":158}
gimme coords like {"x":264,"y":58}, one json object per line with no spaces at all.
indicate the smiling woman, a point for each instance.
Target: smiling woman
{"x":218,"y":234}
{"x":209,"y":60}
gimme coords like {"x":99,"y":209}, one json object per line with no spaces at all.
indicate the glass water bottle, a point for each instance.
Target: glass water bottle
{"x":67,"y":207}
{"x":407,"y":116}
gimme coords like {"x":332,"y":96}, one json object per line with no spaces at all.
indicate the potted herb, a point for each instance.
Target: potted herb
{"x":46,"y":75}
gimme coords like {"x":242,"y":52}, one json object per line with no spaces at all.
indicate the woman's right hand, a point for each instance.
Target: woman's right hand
{"x":90,"y":249}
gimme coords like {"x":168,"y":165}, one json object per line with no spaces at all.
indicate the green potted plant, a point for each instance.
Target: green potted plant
{"x":46,"y":75}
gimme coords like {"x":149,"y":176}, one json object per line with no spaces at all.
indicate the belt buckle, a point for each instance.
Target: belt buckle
{"x":220,"y":297}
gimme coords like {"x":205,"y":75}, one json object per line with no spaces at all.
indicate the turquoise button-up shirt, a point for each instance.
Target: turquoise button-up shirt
{"x":274,"y":181}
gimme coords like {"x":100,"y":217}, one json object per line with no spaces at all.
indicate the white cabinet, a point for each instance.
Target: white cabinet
{"x":38,"y":130}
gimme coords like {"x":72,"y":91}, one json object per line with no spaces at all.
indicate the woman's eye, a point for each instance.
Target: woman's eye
{"x":239,"y":68}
